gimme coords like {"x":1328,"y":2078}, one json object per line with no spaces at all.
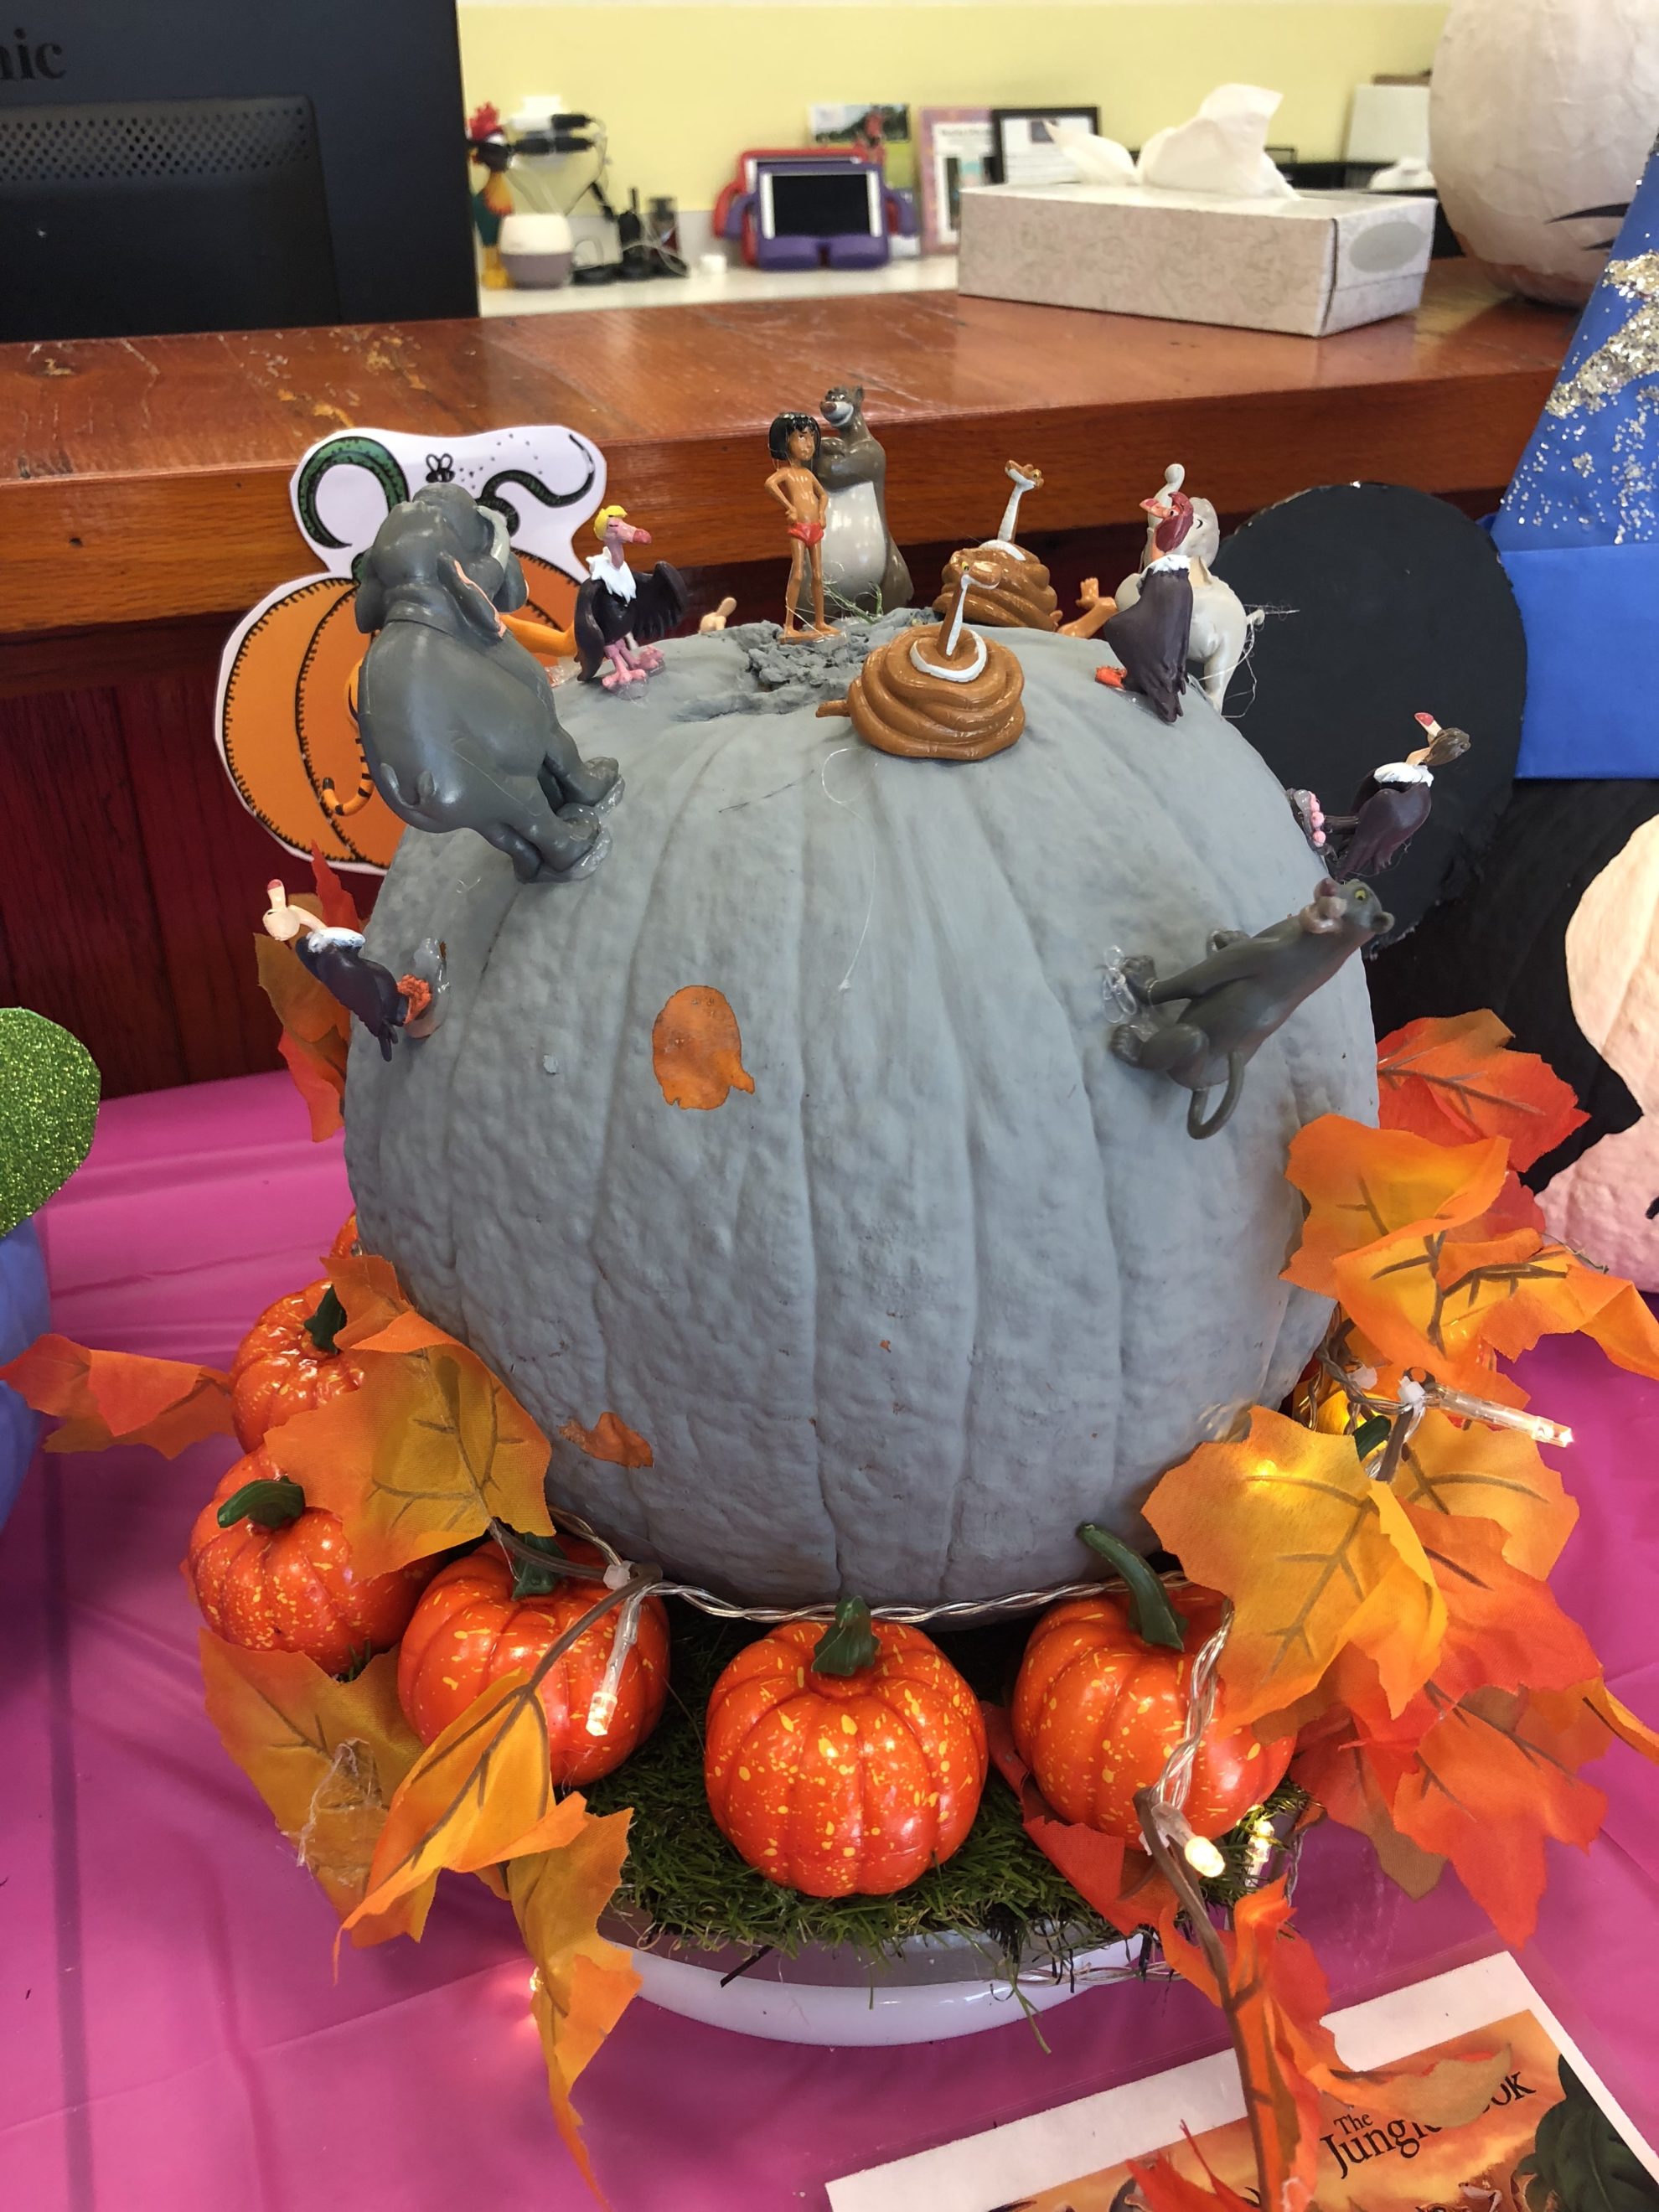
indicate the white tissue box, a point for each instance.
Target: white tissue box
{"x":1319,"y":263}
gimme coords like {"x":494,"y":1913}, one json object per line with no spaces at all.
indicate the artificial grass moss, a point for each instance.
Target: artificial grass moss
{"x":684,"y":1881}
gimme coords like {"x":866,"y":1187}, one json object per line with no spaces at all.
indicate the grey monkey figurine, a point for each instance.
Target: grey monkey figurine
{"x":1239,"y":993}
{"x":456,"y":718}
{"x":863,"y":568}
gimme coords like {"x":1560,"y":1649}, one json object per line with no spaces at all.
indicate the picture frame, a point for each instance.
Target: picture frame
{"x":1023,"y":151}
{"x":954,"y":151}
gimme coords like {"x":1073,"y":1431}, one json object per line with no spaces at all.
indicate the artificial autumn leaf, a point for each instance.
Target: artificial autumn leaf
{"x":1119,"y":1881}
{"x":334,"y":903}
{"x":325,"y":1756}
{"x":1488,"y":1781}
{"x":1362,"y":1185}
{"x":1618,"y":1717}
{"x":609,"y":1438}
{"x":316,"y":1027}
{"x":105,"y":1397}
{"x":696,"y":1050}
{"x":1163,"y":2188}
{"x":1561,"y":1294}
{"x":480,"y":1793}
{"x":583,"y":1985}
{"x":1455,"y":1078}
{"x":1314,"y":1555}
{"x":366,"y":1286}
{"x":1331,"y":1765}
{"x":1503,"y":1629}
{"x":427,"y":1450}
{"x":1498,"y":1474}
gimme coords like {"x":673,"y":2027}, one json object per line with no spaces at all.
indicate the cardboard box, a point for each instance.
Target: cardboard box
{"x":1319,"y":263}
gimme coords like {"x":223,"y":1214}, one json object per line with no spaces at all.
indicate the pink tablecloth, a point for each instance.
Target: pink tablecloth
{"x":170,"y":2038}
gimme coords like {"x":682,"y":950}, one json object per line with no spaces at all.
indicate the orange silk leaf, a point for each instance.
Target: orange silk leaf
{"x":1455,"y":1078}
{"x":334,"y":903}
{"x":1497,"y":1473}
{"x":325,"y":1756}
{"x":367,"y":1287}
{"x":1619,"y":1718}
{"x":480,"y":1793}
{"x":105,"y":1397}
{"x":1363,"y":1185}
{"x":422,"y":1455}
{"x":1489,"y":1781}
{"x":583,"y":1984}
{"x":1315,"y":1556}
{"x":1503,"y":1629}
{"x":1331,"y":1765}
{"x":697,"y":1049}
{"x":316,"y":1028}
{"x":609,"y":1438}
{"x":1119,"y":1881}
{"x":1163,"y":2188}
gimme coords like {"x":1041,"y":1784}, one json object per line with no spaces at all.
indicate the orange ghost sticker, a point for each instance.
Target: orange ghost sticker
{"x":696,"y":1050}
{"x":609,"y":1438}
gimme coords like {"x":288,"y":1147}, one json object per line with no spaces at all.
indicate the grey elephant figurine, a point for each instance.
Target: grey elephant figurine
{"x":457,"y":720}
{"x":1238,"y":994}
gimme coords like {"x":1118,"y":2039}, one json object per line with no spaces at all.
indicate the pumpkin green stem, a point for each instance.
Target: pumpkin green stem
{"x":1152,"y":1616}
{"x":850,"y":1643}
{"x":327,"y":1323}
{"x":540,"y":1576}
{"x":1372,"y":1434}
{"x":272,"y":1502}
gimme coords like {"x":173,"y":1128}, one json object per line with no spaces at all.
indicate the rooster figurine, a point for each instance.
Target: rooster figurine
{"x":486,"y":145}
{"x":1150,"y":637}
{"x":619,"y":615}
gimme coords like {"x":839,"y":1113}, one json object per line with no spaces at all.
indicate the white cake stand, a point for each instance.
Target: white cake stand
{"x":938,"y":1988}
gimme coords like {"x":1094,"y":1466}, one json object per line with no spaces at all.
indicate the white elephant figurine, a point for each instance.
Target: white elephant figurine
{"x":1221,"y":628}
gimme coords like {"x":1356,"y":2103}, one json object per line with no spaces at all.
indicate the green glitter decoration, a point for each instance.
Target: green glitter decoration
{"x":49,"y":1089}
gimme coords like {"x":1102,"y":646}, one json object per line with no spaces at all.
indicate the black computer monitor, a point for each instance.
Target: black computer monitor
{"x":187,"y":165}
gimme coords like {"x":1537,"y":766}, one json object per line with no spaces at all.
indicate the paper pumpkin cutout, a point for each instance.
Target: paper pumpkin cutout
{"x":282,"y":718}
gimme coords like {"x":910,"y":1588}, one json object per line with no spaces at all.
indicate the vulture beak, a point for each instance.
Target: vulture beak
{"x":629,"y":533}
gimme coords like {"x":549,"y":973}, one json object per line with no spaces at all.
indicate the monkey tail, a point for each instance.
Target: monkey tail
{"x":1196,"y":1124}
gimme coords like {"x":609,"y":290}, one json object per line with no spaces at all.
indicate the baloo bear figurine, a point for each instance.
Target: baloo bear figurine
{"x":456,"y":718}
{"x":1239,"y":993}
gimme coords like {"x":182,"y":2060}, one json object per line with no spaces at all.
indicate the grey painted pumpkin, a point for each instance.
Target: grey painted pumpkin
{"x":952,"y":1278}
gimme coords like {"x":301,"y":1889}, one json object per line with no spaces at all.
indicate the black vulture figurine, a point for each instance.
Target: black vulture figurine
{"x":1388,"y":809}
{"x":1150,"y":637}
{"x":619,"y":615}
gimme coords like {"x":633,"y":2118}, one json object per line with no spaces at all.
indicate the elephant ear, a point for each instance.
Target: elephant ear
{"x":370,"y":603}
{"x":470,"y":600}
{"x":515,"y":589}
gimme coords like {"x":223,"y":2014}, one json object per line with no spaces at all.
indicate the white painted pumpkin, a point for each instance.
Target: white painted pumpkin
{"x":953,"y":1278}
{"x":1600,"y":1205}
{"x":1540,"y":108}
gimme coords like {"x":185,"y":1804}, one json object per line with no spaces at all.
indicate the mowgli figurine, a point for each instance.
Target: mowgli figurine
{"x":863,"y":568}
{"x":793,"y":440}
{"x":1239,"y":993}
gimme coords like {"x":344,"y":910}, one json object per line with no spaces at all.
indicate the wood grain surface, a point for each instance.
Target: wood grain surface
{"x":149,"y":480}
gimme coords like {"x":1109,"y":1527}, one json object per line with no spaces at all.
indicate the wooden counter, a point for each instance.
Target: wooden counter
{"x":146,"y":506}
{"x":151,"y":478}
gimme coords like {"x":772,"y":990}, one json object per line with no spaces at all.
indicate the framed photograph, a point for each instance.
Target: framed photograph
{"x":1024,"y":149}
{"x":955,"y":151}
{"x":874,"y":125}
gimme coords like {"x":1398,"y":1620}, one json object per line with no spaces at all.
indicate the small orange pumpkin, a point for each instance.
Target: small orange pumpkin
{"x":288,"y":1364}
{"x":1097,"y":1712}
{"x":469,"y":1629}
{"x":846,"y":1763}
{"x":272,"y":1573}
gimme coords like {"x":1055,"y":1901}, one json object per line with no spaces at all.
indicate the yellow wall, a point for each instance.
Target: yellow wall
{"x":683,"y":88}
